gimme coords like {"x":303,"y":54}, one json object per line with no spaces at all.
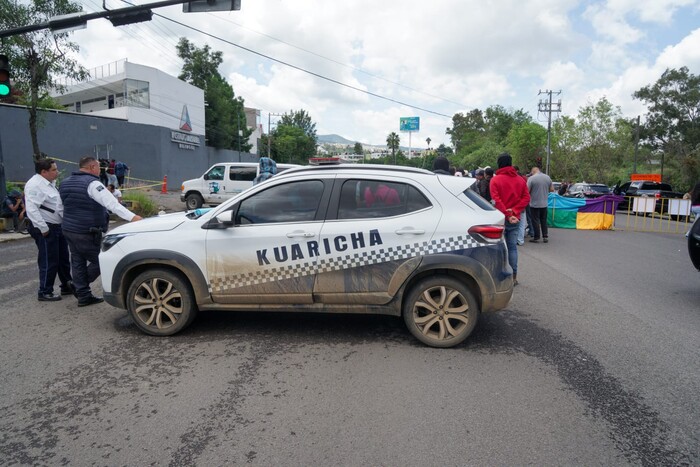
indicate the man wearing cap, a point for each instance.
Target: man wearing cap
{"x":45,"y":214}
{"x":511,"y":196}
{"x":86,"y":201}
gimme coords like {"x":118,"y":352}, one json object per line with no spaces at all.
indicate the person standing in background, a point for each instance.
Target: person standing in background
{"x":45,"y":214}
{"x":510,"y":195}
{"x":120,"y":170}
{"x":540,"y":185}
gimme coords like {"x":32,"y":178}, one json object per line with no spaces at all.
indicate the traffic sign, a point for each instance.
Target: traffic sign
{"x":409,"y":124}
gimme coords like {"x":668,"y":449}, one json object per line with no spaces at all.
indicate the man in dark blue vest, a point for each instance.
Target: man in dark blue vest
{"x":85,"y":219}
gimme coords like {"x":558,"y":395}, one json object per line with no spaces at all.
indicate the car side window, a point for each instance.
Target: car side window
{"x":290,"y":202}
{"x":369,"y":199}
{"x":246,"y":174}
{"x":216,"y":173}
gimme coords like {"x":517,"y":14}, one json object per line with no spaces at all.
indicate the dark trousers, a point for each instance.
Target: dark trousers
{"x":53,"y":257}
{"x":530,"y":228}
{"x":84,"y":261}
{"x":120,"y":180}
{"x":539,"y":222}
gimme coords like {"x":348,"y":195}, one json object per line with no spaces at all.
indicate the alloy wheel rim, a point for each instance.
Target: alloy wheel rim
{"x":441,"y":313}
{"x":158,"y":303}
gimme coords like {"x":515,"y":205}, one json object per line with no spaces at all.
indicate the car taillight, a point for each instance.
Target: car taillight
{"x":490,"y":233}
{"x":657,"y":195}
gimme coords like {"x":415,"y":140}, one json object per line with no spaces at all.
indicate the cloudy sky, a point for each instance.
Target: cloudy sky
{"x":429,"y":59}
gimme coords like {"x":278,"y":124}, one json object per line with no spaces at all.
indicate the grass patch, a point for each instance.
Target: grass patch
{"x":145,"y":206}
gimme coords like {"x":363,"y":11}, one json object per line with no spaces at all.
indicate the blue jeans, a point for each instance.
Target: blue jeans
{"x":512,"y":244}
{"x":53,"y":257}
{"x":521,"y":227}
{"x":85,"y":265}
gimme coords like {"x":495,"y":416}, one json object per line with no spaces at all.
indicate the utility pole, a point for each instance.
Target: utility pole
{"x":636,"y":146}
{"x":546,"y":105}
{"x":269,"y":133}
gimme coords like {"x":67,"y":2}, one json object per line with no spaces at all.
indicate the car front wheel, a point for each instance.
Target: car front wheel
{"x":194,"y":201}
{"x":161,"y":302}
{"x":440,"y":311}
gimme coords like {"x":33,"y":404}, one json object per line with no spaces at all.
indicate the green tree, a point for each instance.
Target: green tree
{"x":392,"y":142}
{"x":526,"y":142}
{"x":672,"y":123}
{"x":38,"y":57}
{"x":443,"y":150}
{"x":595,"y":146}
{"x":294,"y":138}
{"x":358,"y":149}
{"x":498,"y":122}
{"x":224,"y":115}
{"x":300,"y":119}
{"x":467,"y":131}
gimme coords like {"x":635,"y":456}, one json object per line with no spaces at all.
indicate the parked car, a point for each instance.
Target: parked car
{"x":644,"y":188}
{"x":587,"y":190}
{"x":338,"y":239}
{"x":220,"y":182}
{"x":694,"y":243}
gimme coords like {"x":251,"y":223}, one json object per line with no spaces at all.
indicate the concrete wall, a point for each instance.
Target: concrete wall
{"x":146,"y":149}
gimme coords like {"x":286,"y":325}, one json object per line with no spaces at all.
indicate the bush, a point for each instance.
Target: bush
{"x":144,"y":205}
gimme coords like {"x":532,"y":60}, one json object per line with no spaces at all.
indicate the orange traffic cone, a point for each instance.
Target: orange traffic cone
{"x":164,"y":188}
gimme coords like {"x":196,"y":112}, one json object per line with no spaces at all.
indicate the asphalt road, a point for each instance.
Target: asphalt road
{"x":595,"y":362}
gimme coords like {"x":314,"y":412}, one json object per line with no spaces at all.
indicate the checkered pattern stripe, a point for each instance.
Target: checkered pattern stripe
{"x":341,"y":262}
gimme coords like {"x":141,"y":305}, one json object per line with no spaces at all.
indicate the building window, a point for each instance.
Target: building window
{"x":77,"y":107}
{"x":137,"y":93}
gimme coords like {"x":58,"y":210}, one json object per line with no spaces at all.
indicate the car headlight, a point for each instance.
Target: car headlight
{"x":110,"y":240}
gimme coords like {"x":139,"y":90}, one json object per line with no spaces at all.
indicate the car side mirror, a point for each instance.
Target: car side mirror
{"x":223,"y":220}
{"x":206,"y":176}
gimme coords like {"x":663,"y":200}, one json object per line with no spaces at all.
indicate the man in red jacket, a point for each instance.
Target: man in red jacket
{"x":511,"y":196}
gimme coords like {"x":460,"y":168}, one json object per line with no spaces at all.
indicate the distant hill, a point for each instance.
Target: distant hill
{"x":334,"y":139}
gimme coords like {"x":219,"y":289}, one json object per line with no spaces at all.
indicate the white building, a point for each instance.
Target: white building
{"x":146,"y":95}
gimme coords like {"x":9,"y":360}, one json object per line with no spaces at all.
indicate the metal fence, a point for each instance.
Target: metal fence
{"x":650,"y":214}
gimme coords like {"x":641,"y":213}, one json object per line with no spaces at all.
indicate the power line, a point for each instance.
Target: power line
{"x":337,"y":62}
{"x":340,"y":83}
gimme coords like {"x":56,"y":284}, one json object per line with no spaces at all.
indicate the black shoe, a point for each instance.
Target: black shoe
{"x":90,"y":300}
{"x":545,"y":239}
{"x":534,"y":240}
{"x":48,"y":297}
{"x":68,"y":288}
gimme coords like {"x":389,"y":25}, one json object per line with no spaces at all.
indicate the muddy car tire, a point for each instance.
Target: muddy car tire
{"x":440,"y":311}
{"x":194,"y":201}
{"x":161,"y":302}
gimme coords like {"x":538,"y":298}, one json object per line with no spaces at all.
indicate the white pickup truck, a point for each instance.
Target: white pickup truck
{"x":221,"y":182}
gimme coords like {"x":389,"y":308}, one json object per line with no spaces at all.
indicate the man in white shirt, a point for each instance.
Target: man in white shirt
{"x":45,"y":214}
{"x":86,"y":202}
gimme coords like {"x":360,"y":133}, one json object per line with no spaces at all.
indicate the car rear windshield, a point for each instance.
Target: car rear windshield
{"x":600,"y":188}
{"x":478,"y":200}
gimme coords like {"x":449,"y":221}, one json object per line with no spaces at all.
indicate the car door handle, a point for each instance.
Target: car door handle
{"x":300,"y":234}
{"x":409,"y":231}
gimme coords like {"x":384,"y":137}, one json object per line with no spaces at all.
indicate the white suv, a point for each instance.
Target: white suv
{"x":344,"y":238}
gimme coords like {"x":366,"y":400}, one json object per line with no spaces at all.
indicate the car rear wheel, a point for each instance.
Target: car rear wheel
{"x":440,"y":311}
{"x":161,"y":302}
{"x":194,"y":201}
